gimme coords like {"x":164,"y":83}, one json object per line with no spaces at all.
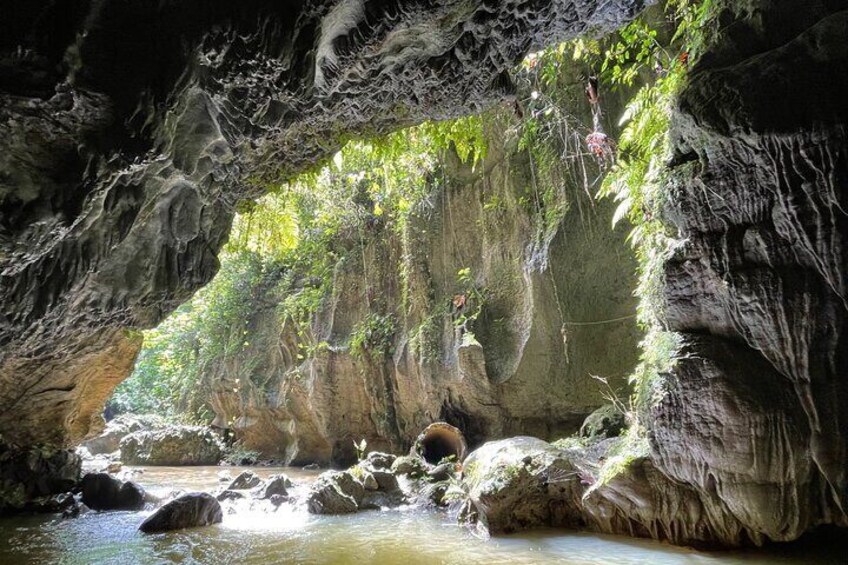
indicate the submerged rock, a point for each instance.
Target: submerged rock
{"x":101,"y":491}
{"x":188,"y":511}
{"x":173,"y":445}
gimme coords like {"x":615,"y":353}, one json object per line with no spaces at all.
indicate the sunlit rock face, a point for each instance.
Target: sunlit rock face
{"x":129,"y":131}
{"x":753,"y":423}
{"x":523,"y":367}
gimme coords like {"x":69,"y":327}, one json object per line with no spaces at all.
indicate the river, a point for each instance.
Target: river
{"x":404,"y":537}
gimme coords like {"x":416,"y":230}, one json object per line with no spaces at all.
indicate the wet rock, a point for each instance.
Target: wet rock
{"x":410,"y":465}
{"x":442,"y":472}
{"x":375,"y":500}
{"x":386,"y":480}
{"x":188,"y":511}
{"x":101,"y":491}
{"x":379,"y":460}
{"x":36,"y":472}
{"x":50,"y":504}
{"x":174,"y":445}
{"x":369,"y":482}
{"x":278,"y":499}
{"x":224,"y":477}
{"x":245,"y":480}
{"x":312,"y":467}
{"x":230,"y":495}
{"x":335,"y":492}
{"x":274,"y":485}
{"x":605,"y":422}
{"x":75,"y":509}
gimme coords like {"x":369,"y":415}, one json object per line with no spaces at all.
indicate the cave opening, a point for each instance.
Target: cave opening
{"x":483,"y":270}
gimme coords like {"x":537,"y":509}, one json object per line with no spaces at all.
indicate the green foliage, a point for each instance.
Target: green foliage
{"x":468,"y":304}
{"x":239,"y":454}
{"x":292,"y":240}
{"x":374,"y":336}
{"x":212,"y":325}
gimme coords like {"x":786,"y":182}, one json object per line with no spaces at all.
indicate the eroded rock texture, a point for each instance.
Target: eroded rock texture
{"x":752,"y":425}
{"x":129,"y":132}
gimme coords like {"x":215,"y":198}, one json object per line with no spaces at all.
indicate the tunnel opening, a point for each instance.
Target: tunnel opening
{"x":441,"y":441}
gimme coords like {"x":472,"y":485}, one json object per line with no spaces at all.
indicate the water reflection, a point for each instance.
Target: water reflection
{"x":402,"y":536}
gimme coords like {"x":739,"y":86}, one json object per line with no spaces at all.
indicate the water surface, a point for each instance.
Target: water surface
{"x":403,"y":536}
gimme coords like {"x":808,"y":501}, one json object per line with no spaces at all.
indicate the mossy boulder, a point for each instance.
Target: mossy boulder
{"x":605,"y":422}
{"x":173,"y":445}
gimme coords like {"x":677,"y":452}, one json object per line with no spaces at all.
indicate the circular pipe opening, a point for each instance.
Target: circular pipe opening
{"x":439,"y":441}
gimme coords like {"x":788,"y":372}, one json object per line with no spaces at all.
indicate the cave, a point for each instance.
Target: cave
{"x":132,"y":137}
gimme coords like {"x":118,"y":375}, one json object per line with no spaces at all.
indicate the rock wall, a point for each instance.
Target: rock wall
{"x":748,"y":440}
{"x":129,"y":132}
{"x":523,"y":367}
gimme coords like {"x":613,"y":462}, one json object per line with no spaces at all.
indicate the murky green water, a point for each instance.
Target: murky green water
{"x":405,"y":537}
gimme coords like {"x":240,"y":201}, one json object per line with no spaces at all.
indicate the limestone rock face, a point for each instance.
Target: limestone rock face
{"x":753,"y":419}
{"x":172,"y":445}
{"x":122,"y":158}
{"x":191,"y":510}
{"x":523,"y":368}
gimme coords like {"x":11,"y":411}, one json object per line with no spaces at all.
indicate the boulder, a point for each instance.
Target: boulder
{"x":51,"y":504}
{"x":386,"y":480}
{"x":101,"y":491}
{"x":411,"y":465}
{"x":605,"y":422}
{"x":116,"y":429}
{"x":230,"y":495}
{"x":173,"y":445}
{"x":380,"y":460}
{"x":35,"y":472}
{"x":275,"y":485}
{"x":520,"y":483}
{"x":335,"y":492}
{"x":369,"y":482}
{"x":188,"y":511}
{"x":245,"y":480}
